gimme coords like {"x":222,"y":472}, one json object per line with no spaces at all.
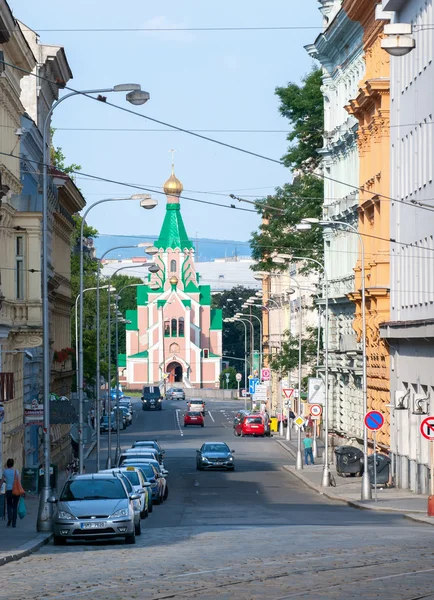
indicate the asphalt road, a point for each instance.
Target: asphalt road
{"x":253,"y":533}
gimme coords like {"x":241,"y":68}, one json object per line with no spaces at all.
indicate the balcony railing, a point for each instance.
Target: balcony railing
{"x":6,"y":387}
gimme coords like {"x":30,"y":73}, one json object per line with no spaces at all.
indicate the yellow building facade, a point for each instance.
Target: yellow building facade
{"x":371,"y":108}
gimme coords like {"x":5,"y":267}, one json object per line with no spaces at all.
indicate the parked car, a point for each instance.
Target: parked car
{"x":196,"y":405}
{"x":104,"y":423}
{"x":140,"y":486}
{"x":127,"y":413}
{"x":161,"y":475}
{"x":99,"y":495}
{"x":240,"y":416}
{"x":151,"y":398}
{"x":121,"y":417}
{"x":147,"y":451}
{"x":175,"y":394}
{"x":126,"y":403}
{"x":215,"y":455}
{"x":194,"y":418}
{"x":251,"y":425}
{"x":149,"y":444}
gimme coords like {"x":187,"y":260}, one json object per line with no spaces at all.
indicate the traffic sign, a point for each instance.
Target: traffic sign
{"x":253,"y":382}
{"x":238,"y":376}
{"x":374,"y":420}
{"x":287,"y":392}
{"x":315,"y":410}
{"x":427,"y":428}
{"x":315,"y":391}
{"x":266,"y":374}
{"x":299,"y":421}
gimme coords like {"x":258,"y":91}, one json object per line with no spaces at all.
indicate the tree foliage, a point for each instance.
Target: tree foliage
{"x":229,"y":383}
{"x":303,"y":106}
{"x":58,"y":158}
{"x":286,"y":359}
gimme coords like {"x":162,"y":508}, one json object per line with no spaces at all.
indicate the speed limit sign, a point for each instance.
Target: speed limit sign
{"x":315,"y":410}
{"x":238,"y":376}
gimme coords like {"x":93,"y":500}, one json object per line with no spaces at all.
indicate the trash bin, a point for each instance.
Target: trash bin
{"x":349,"y":461}
{"x":274,"y":424}
{"x":53,"y":477}
{"x":383,"y":469}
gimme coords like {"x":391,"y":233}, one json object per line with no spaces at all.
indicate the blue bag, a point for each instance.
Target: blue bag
{"x":21,"y":509}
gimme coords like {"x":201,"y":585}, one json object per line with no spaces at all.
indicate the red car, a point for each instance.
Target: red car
{"x":251,"y":425}
{"x":193,"y":418}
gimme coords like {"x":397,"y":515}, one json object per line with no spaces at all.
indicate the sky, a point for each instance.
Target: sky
{"x":196,"y":80}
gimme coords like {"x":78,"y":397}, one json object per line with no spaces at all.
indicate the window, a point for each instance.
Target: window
{"x":181,"y":327}
{"x":174,"y":327}
{"x":206,"y":353}
{"x":173,"y":266}
{"x":19,"y":267}
{"x":167,"y":328}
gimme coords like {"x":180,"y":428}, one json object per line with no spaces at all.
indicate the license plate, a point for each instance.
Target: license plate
{"x":255,"y":426}
{"x":94,"y":525}
{"x":193,"y":418}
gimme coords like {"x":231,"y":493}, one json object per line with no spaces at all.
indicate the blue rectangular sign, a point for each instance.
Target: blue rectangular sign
{"x":252,"y":385}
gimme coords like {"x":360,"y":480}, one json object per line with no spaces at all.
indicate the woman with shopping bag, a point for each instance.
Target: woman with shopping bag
{"x":14,"y":491}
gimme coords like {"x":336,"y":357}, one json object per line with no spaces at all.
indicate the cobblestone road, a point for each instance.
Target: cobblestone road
{"x":254,"y":533}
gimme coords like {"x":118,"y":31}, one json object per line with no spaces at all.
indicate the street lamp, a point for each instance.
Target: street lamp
{"x":45,"y":510}
{"x":243,"y":321}
{"x":366,"y":493}
{"x":146,"y":202}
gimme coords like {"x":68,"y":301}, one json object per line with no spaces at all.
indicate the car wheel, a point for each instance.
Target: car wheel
{"x":202,"y":425}
{"x":166,"y":493}
{"x":185,"y":425}
{"x":144,"y":513}
{"x":58,"y":540}
{"x":138,"y":528}
{"x":161,"y":499}
{"x":130,"y":539}
{"x":242,"y":434}
{"x":157,"y":500}
{"x":236,"y":434}
{"x":150,"y":506}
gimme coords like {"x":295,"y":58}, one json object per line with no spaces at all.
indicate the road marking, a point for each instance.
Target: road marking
{"x":178,"y":422}
{"x":212,"y":418}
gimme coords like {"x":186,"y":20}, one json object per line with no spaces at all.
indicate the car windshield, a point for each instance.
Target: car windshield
{"x":145,"y":445}
{"x":93,"y":489}
{"x":146,"y":468}
{"x":196,"y":402}
{"x":195,"y":414}
{"x":215,"y":448}
{"x":178,"y":390}
{"x":132,"y":476}
{"x":253,"y":420}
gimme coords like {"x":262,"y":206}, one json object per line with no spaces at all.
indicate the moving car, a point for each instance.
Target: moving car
{"x":196,"y":405}
{"x":251,"y":425}
{"x":193,"y":418}
{"x":215,"y":455}
{"x":175,"y":394}
{"x":151,"y":398}
{"x":149,"y":444}
{"x":94,"y":506}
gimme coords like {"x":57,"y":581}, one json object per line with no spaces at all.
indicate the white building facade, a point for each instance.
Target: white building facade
{"x":410,"y":332}
{"x":339,"y":49}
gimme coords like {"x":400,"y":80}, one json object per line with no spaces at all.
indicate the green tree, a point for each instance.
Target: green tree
{"x":58,"y":158}
{"x":230,"y":383}
{"x":127,"y":301}
{"x":286,"y":359}
{"x":303,"y":106}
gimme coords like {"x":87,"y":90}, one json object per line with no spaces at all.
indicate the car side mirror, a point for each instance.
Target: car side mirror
{"x":143,"y":397}
{"x":146,"y":484}
{"x":233,"y":451}
{"x":52,"y":500}
{"x":134,"y":496}
{"x":198,"y":451}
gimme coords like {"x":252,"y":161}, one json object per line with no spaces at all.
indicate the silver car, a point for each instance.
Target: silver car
{"x":94,"y":506}
{"x":175,"y":394}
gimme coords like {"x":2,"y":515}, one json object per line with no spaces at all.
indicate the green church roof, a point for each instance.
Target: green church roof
{"x":173,"y":233}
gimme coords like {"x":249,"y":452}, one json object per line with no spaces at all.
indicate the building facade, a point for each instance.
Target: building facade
{"x":409,"y":333}
{"x":174,"y":333}
{"x":339,"y":49}
{"x":371,"y":108}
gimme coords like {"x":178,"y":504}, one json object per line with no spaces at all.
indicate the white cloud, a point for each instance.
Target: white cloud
{"x":162,"y":22}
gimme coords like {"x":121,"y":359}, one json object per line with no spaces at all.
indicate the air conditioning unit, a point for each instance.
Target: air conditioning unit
{"x":420,"y":404}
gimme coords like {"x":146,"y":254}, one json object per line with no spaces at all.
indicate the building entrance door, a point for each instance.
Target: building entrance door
{"x":175,"y":372}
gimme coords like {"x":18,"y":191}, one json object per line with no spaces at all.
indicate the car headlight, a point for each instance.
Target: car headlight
{"x":63,"y":514}
{"x":123,"y":512}
{"x":159,"y":399}
{"x":231,"y":458}
{"x":204,"y":458}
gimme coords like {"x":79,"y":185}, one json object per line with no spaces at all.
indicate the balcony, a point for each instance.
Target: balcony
{"x":6,"y":387}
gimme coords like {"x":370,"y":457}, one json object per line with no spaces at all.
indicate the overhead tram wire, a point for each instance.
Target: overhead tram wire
{"x":218,"y":142}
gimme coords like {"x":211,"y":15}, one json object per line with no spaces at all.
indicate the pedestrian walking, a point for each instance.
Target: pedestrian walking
{"x":308,"y":451}
{"x":92,"y":418}
{"x":11,"y":478}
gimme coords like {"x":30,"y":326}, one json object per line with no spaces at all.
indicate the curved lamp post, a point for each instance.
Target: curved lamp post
{"x":135,"y":96}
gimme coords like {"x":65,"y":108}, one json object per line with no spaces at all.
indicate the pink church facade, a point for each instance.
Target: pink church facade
{"x":174,"y":333}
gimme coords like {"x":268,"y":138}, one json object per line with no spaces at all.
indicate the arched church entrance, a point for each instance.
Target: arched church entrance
{"x":175,"y":372}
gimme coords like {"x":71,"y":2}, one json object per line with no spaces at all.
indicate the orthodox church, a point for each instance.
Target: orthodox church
{"x":174,"y":333}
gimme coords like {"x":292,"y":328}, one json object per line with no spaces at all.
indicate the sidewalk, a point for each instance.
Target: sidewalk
{"x":347,"y":490}
{"x":24,"y":540}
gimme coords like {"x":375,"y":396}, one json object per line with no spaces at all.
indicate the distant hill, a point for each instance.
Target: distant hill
{"x":206,"y":249}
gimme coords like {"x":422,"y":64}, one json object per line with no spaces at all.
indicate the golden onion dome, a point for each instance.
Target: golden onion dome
{"x":173,"y":187}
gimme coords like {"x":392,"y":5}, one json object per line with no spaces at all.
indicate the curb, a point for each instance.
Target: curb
{"x":26,"y":549}
{"x":90,"y":450}
{"x":412,"y":515}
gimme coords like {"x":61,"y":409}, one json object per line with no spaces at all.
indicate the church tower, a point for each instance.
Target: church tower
{"x":174,"y":334}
